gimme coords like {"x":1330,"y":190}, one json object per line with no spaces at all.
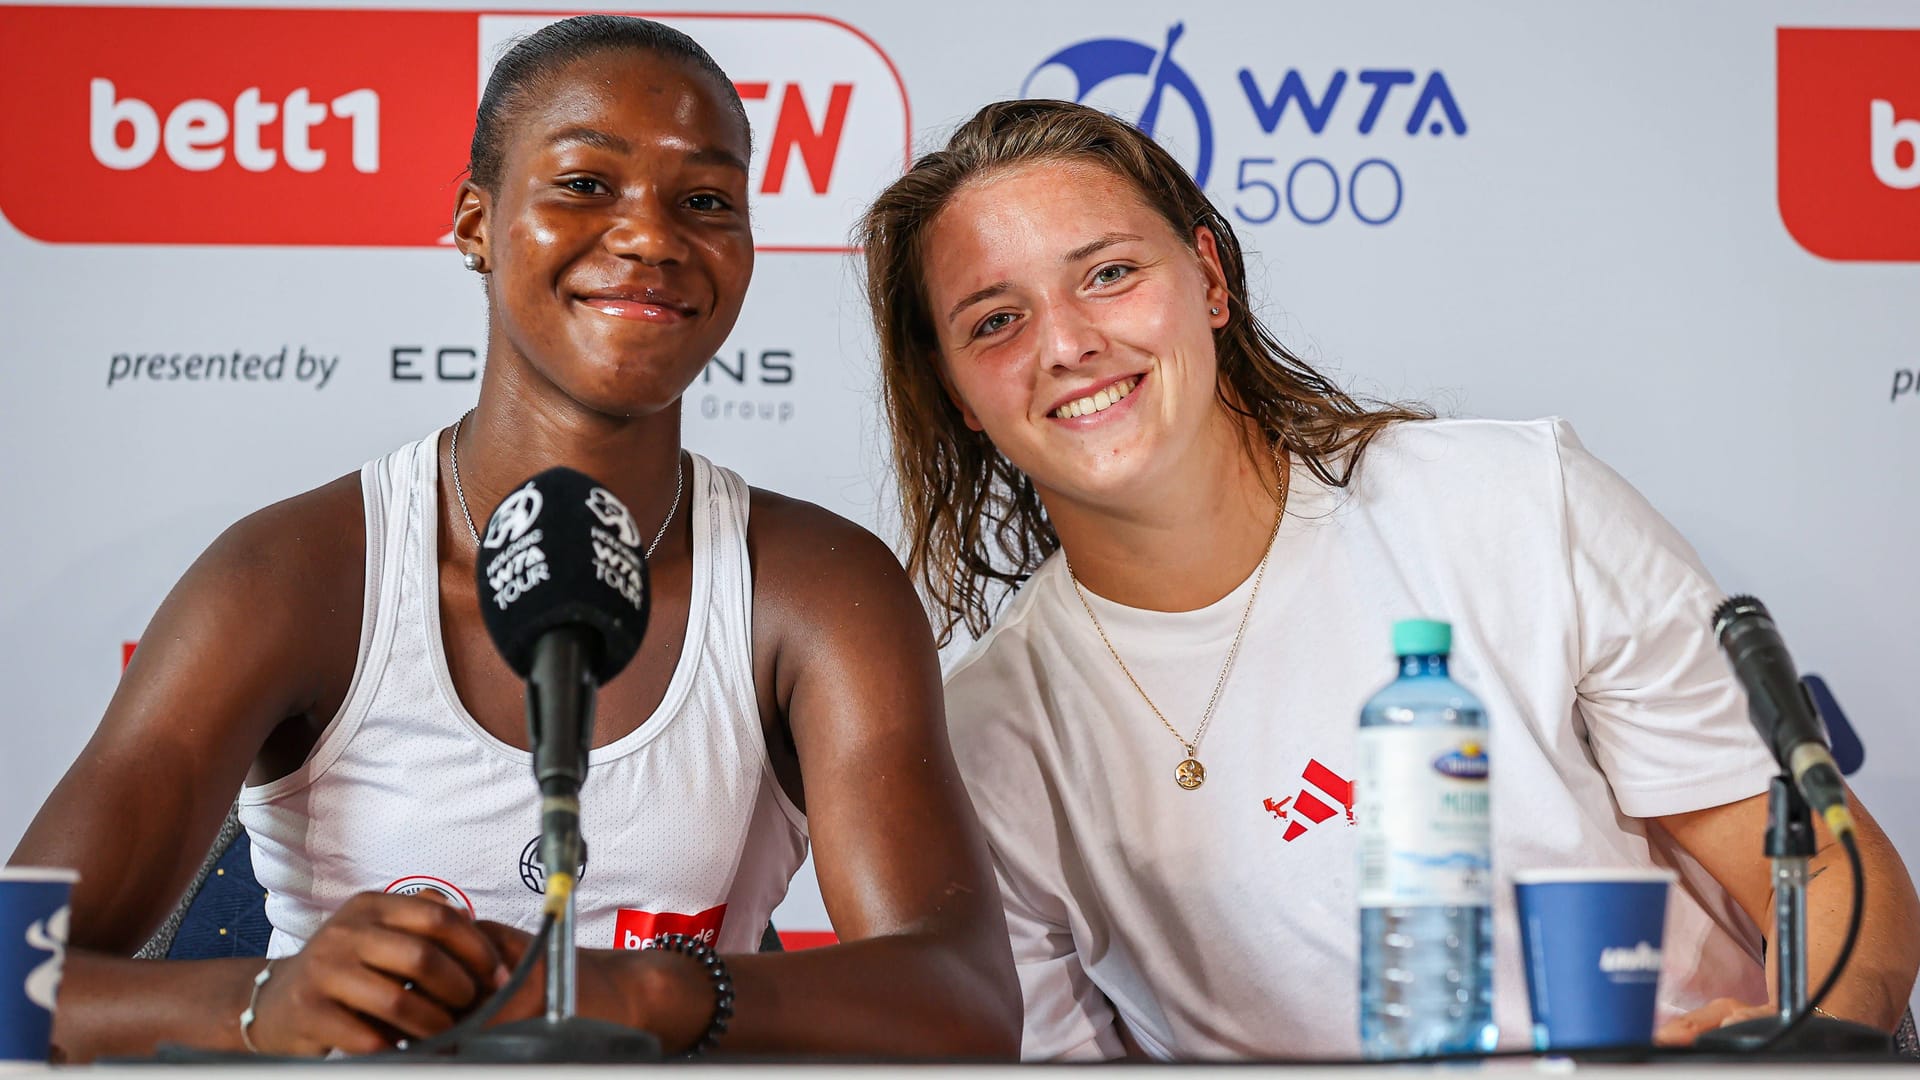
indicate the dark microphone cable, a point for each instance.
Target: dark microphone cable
{"x":482,"y":1016}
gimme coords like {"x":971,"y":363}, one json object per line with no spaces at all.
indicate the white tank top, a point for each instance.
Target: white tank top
{"x":687,"y":829}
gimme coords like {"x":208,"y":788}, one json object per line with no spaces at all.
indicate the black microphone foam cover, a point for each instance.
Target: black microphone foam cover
{"x":562,"y":551}
{"x":1777,"y":702}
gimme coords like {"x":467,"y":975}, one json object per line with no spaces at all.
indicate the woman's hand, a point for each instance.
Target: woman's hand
{"x":1718,"y":1013}
{"x":651,"y":990}
{"x":381,"y":969}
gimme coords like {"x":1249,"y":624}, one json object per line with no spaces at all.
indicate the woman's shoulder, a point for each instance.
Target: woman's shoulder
{"x":313,"y":543}
{"x":1470,"y":441}
{"x":1015,"y":651}
{"x":785,"y":533}
{"x":814,"y":570}
{"x":1019,"y":626}
{"x":266,"y":621}
{"x":1417,"y":461}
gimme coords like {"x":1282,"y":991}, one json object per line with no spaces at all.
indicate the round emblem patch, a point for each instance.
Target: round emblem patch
{"x":534,"y":875}
{"x":421,"y":883}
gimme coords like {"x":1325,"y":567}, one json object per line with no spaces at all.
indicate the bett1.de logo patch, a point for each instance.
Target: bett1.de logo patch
{"x":350,"y":128}
{"x":1849,"y":116}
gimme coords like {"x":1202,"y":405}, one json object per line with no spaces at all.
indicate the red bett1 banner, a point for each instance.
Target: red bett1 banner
{"x":249,"y":127}
{"x":1850,"y":142}
{"x":350,"y":128}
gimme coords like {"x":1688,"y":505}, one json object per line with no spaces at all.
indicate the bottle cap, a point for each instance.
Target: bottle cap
{"x":1422,"y":637}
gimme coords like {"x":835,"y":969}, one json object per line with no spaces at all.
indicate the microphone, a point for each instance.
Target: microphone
{"x":563,"y":594}
{"x":1780,"y":707}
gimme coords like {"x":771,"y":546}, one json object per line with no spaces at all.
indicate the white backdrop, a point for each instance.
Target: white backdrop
{"x":1507,"y":210}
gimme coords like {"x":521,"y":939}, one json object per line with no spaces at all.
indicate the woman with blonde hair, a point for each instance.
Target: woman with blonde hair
{"x":1206,"y":542}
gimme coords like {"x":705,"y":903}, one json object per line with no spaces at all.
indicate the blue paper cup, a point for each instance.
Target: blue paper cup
{"x":1591,"y":940}
{"x":33,"y":946}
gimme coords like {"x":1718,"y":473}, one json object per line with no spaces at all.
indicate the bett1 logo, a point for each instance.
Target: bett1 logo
{"x":1849,"y":142}
{"x":358,"y":136}
{"x":196,"y":130}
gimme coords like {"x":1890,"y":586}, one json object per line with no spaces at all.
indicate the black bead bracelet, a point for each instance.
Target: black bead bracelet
{"x":716,"y":968}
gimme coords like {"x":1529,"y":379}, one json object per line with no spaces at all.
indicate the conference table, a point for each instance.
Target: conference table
{"x":1501,"y":1068}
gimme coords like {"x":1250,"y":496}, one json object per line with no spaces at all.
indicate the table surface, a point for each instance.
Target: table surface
{"x":1503,"y":1067}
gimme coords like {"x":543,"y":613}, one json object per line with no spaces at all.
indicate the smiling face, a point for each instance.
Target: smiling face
{"x":617,"y":241}
{"x":1075,"y":330}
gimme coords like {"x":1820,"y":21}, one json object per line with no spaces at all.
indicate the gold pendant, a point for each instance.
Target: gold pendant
{"x":1190,"y":774}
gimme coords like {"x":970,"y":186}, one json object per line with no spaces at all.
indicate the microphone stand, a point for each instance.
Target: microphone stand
{"x":560,"y":692}
{"x":1790,"y":843}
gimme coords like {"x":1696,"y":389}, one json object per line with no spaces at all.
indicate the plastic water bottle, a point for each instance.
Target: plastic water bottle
{"x":1426,"y":925}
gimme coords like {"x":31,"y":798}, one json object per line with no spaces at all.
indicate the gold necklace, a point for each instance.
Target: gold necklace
{"x":1190,"y":774}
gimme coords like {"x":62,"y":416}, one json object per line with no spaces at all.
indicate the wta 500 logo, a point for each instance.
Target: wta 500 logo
{"x":1313,"y":148}
{"x":350,"y":127}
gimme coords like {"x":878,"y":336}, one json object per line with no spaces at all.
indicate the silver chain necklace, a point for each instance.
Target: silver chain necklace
{"x":453,"y":456}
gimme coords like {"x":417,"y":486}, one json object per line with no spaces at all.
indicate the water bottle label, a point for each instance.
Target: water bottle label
{"x":1421,"y":800}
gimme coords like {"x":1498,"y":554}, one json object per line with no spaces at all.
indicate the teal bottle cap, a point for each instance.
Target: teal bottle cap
{"x":1422,"y":637}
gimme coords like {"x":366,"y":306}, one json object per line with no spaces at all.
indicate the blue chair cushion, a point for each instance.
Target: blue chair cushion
{"x":228,"y":917}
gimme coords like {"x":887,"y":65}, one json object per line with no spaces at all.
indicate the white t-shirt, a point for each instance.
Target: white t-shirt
{"x":1223,"y":922}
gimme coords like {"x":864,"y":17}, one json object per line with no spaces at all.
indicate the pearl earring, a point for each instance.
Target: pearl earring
{"x":473,"y":262}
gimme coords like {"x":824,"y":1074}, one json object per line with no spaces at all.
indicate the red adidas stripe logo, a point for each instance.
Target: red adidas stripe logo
{"x":1311,"y":806}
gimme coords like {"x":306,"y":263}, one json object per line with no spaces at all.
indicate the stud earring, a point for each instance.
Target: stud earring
{"x":473,"y":261}
{"x":1214,"y":311}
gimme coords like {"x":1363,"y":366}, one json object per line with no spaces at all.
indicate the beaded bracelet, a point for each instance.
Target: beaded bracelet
{"x":703,"y":954}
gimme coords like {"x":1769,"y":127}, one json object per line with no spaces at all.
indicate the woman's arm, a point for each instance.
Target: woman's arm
{"x":255,"y":643}
{"x":1873,"y":990}
{"x":1668,"y":726}
{"x":213,"y":675}
{"x":923,"y":968}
